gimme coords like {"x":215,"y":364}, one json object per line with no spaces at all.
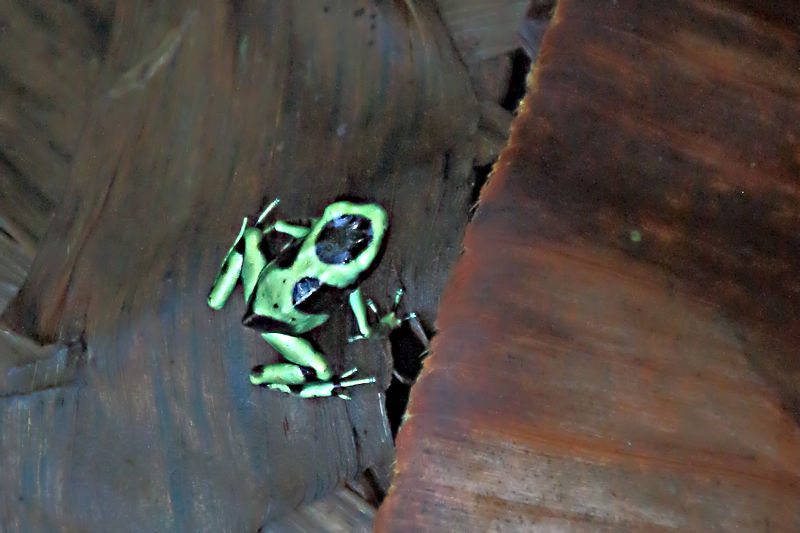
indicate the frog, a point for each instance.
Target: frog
{"x":294,"y":275}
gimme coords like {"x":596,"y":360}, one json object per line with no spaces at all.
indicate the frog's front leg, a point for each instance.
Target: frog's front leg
{"x":229,"y":272}
{"x":296,"y":231}
{"x":359,"y":309}
{"x":386,"y":324}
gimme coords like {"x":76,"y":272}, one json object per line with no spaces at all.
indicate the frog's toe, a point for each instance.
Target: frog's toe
{"x":398,"y":295}
{"x":348,"y":373}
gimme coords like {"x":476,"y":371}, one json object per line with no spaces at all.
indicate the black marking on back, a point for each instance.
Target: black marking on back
{"x":266,"y":324}
{"x":322,"y":299}
{"x":343,"y":238}
{"x":288,"y":255}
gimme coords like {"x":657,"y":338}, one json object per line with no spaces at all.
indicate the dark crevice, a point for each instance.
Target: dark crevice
{"x":481,"y":177}
{"x":520,"y":66}
{"x":407,"y":352}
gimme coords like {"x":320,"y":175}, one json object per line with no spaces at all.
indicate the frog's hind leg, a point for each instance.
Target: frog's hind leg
{"x":296,"y":350}
{"x":280,"y":374}
{"x":307,"y":375}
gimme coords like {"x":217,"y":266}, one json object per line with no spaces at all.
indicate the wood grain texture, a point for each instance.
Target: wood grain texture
{"x":482,"y":29}
{"x":341,"y":512}
{"x":49,"y":57}
{"x":617,"y":348}
{"x":138,"y":413}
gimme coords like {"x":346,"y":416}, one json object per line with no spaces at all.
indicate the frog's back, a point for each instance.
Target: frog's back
{"x":296,"y":291}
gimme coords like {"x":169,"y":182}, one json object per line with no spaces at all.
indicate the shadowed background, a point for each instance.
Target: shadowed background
{"x":616,"y":348}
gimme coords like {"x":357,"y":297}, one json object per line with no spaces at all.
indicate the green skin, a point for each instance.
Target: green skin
{"x":268,"y":293}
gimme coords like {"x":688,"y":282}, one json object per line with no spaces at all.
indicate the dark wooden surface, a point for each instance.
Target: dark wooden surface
{"x":618,"y":344}
{"x":49,"y":58}
{"x":126,"y":404}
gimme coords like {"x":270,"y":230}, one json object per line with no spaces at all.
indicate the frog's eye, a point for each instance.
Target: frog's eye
{"x":343,"y":238}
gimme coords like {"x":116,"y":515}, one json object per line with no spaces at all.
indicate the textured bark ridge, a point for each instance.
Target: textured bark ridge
{"x":617,"y":347}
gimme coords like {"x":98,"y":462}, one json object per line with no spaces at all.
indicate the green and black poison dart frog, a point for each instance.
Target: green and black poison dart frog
{"x":292,"y":289}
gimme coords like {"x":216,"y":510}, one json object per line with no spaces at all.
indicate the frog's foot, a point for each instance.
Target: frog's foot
{"x":322,"y":389}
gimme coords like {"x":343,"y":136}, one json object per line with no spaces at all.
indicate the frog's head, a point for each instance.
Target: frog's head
{"x":348,"y":241}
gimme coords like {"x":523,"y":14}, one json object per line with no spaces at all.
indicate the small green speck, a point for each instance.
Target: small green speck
{"x":636,"y":235}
